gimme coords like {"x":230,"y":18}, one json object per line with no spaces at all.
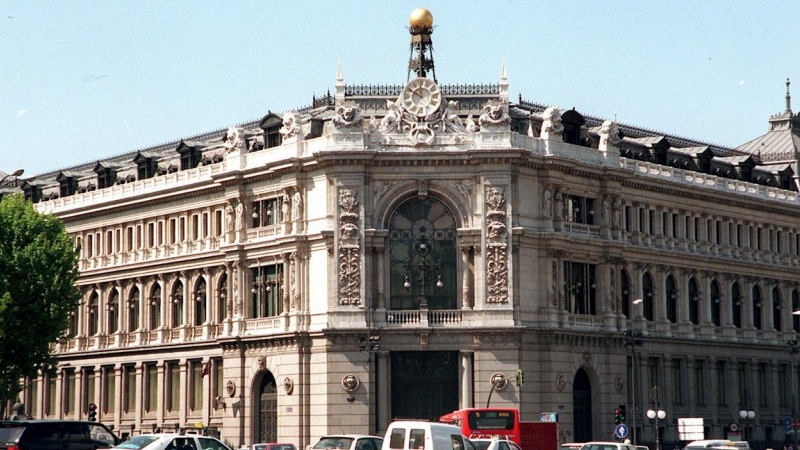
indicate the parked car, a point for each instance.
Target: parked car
{"x":55,"y":435}
{"x":273,"y":446}
{"x":494,"y":444}
{"x":172,"y":441}
{"x":349,"y":442}
{"x":607,"y":446}
{"x":417,"y":435}
{"x":571,"y":446}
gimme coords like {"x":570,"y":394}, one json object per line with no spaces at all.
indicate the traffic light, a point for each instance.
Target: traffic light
{"x":621,"y":413}
{"x":520,"y":377}
{"x":92,"y":412}
{"x":617,"y":416}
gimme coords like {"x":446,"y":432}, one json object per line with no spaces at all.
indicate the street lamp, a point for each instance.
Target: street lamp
{"x":14,"y":174}
{"x":633,"y":339}
{"x":420,"y":265}
{"x":746,"y":414}
{"x":655,"y":412}
{"x":793,"y":349}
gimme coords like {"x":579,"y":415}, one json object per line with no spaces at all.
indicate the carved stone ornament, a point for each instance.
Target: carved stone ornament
{"x":498,"y":381}
{"x":619,"y":383}
{"x":262,"y":362}
{"x":349,"y":248}
{"x":551,"y":123}
{"x":561,"y":382}
{"x":288,"y":385}
{"x":291,"y":125}
{"x":234,"y":140}
{"x":494,"y":116}
{"x":230,"y":388}
{"x":350,"y":383}
{"x":497,"y":247}
{"x":347,"y":115}
{"x":609,"y":135}
{"x":587,"y":359}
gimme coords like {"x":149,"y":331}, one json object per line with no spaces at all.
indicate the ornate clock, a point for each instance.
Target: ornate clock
{"x":422,"y":97}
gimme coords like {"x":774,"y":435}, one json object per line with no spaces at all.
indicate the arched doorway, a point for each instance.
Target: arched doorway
{"x":266,"y":429}
{"x":582,"y":406}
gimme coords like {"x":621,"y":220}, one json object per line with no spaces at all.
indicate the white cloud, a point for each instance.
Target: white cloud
{"x":22,"y":112}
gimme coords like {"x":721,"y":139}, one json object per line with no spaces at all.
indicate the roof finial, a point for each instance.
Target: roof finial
{"x":788,"y":98}
{"x":339,"y":77}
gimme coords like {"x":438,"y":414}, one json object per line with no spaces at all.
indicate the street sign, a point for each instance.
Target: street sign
{"x":621,"y":431}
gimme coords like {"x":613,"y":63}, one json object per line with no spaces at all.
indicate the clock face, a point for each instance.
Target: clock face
{"x":422,"y":96}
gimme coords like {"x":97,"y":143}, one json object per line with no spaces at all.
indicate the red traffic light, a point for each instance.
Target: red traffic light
{"x":92,"y":407}
{"x":616,"y":411}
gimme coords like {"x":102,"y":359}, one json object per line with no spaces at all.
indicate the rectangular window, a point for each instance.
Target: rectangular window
{"x":628,"y":219}
{"x":266,"y":292}
{"x":109,"y":242}
{"x":151,"y":235}
{"x":739,"y":232}
{"x":196,"y":385}
{"x":218,"y":223}
{"x":721,"y":395}
{"x":138,"y":237}
{"x":741,"y":382}
{"x":173,"y":231}
{"x":195,"y":227}
{"x":182,"y":230}
{"x":129,"y":401}
{"x":731,"y":237}
{"x":642,"y":219}
{"x":718,"y":227}
{"x":762,"y":384}
{"x":686,"y":222}
{"x":675,"y":226}
{"x":109,"y":390}
{"x":652,"y":374}
{"x":129,"y":239}
{"x":173,"y":386}
{"x":160,"y":232}
{"x":267,"y":212}
{"x":580,"y":288}
{"x":90,"y":246}
{"x":784,"y":390}
{"x":699,"y":383}
{"x":52,"y":396}
{"x":69,"y":391}
{"x":89,"y":386}
{"x":677,"y":393}
{"x":665,"y":224}
{"x":219,"y":389}
{"x":151,"y":378}
{"x":205,"y":228}
{"x":33,"y":400}
{"x":697,"y":229}
{"x":779,"y":242}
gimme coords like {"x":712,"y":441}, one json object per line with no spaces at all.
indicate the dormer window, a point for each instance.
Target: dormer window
{"x":191,"y":153}
{"x":68,"y":183}
{"x":33,"y":193}
{"x":572,"y":121}
{"x":271,"y":124}
{"x":146,"y":165}
{"x":106,"y":175}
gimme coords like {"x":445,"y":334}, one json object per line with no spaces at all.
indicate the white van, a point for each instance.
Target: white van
{"x":717,"y":444}
{"x":418,"y":435}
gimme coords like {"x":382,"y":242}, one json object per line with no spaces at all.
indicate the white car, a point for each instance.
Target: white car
{"x":172,"y":442}
{"x":494,"y":444}
{"x":348,"y":442}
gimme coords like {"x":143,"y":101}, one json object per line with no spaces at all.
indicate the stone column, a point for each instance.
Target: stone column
{"x":384,"y":390}
{"x":466,"y":291}
{"x":139,"y":394}
{"x":161,"y":401}
{"x":466,"y":372}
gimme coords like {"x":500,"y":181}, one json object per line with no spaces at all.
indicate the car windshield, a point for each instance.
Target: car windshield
{"x":138,"y":442}
{"x":10,"y":433}
{"x":259,"y":446}
{"x":334,"y":442}
{"x":481,"y":445}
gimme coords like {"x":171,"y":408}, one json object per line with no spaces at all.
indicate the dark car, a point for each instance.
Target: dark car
{"x":55,"y":435}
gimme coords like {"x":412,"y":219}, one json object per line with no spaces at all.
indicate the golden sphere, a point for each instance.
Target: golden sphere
{"x":421,"y":18}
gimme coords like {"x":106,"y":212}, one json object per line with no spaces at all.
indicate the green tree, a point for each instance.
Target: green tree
{"x":38,"y":269}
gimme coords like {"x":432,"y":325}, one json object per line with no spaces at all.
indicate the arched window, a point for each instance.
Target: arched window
{"x":155,"y":306}
{"x":694,"y":302}
{"x":177,"y":304}
{"x":222,"y":295}
{"x":716,"y":302}
{"x":199,"y":296}
{"x":133,"y":309}
{"x":777,"y":320}
{"x":736,"y":305}
{"x":795,"y":308}
{"x":112,"y":308}
{"x":625,"y":289}
{"x":91,"y":309}
{"x":422,"y":249}
{"x":672,"y":299}
{"x":757,"y":308}
{"x":647,"y":292}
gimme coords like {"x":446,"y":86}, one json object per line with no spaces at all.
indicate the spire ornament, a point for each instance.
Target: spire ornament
{"x":421,"y":59}
{"x":788,"y":98}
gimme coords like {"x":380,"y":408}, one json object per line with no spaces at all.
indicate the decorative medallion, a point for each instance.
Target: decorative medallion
{"x":347,"y":115}
{"x":499,"y":381}
{"x":561,"y":382}
{"x":230,"y":388}
{"x":350,"y":383}
{"x":288,"y":385}
{"x":619,"y":383}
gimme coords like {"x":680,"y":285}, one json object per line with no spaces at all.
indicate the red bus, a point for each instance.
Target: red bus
{"x":486,"y":422}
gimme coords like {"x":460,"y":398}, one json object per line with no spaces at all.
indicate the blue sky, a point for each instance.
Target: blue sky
{"x":84,"y":80}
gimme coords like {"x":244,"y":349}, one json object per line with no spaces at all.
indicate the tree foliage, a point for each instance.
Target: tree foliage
{"x":38,"y":270}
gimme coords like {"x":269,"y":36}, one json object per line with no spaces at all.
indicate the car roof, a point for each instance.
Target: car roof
{"x":350,"y":436}
{"x":17,"y":422}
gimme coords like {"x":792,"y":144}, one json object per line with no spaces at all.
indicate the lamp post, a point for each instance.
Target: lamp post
{"x":746,"y":414}
{"x":655,"y":413}
{"x":14,"y":174}
{"x":633,"y":339}
{"x":793,"y":349}
{"x":421,"y":267}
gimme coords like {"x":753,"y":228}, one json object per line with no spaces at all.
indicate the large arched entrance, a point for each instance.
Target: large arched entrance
{"x":266,"y":405}
{"x":582,"y":406}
